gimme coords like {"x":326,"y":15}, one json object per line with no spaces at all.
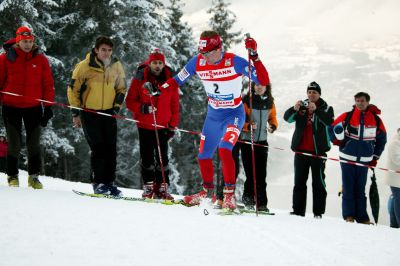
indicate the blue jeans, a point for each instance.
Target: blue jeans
{"x":394,"y":211}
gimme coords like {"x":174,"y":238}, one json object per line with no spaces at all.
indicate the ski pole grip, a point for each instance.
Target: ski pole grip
{"x":148,"y":86}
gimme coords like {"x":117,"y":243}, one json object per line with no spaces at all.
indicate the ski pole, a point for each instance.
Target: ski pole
{"x":149,"y":87}
{"x":252,"y":130}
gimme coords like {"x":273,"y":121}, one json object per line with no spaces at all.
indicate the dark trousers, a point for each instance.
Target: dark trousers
{"x":354,"y":201}
{"x":261,"y":157}
{"x":13,"y":118}
{"x":3,"y":164}
{"x":150,"y":160}
{"x":302,"y":165}
{"x":101,"y":135}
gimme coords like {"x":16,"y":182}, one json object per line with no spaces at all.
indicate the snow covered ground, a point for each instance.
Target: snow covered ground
{"x":53,"y":226}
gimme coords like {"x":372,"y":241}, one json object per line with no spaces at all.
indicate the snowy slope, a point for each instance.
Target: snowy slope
{"x":56,"y":227}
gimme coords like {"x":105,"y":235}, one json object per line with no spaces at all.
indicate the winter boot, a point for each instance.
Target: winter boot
{"x":263,"y":208}
{"x":162,"y":192}
{"x":196,"y":198}
{"x":148,"y":190}
{"x":114,"y":191}
{"x":33,"y":181}
{"x":13,"y":181}
{"x":229,"y":198}
{"x":100,"y":188}
{"x":249,"y":203}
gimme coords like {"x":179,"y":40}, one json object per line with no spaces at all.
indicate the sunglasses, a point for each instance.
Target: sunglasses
{"x":25,"y":33}
{"x":209,"y":53}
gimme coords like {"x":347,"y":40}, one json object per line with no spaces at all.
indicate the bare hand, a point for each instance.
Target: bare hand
{"x":76,"y":122}
{"x":254,"y":125}
{"x":297,"y":105}
{"x":311,"y":107}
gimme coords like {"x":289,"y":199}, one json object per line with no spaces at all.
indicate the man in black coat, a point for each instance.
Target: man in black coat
{"x":313,"y":117}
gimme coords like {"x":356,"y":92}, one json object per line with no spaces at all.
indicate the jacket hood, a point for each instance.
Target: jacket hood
{"x":8,"y":44}
{"x":374,"y":109}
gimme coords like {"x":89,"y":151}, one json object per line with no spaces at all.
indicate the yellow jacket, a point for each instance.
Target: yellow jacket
{"x":95,"y":86}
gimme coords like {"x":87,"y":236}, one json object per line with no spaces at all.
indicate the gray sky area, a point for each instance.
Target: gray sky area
{"x":340,"y":24}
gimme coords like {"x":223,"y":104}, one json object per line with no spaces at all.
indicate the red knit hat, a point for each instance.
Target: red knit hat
{"x":156,"y":54}
{"x":207,"y":44}
{"x":24,"y":33}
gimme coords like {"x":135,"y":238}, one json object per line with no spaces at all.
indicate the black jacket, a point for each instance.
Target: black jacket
{"x":322,"y":119}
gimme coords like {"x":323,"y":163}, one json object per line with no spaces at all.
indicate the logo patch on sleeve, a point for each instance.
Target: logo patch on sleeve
{"x":183,"y":74}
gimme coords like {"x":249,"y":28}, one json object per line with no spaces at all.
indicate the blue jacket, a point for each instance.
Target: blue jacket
{"x":364,"y":136}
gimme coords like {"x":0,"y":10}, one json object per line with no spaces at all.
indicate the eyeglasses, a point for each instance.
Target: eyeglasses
{"x":209,"y":53}
{"x":25,"y":33}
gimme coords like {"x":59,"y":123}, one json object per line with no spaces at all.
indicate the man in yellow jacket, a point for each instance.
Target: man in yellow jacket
{"x":98,"y":83}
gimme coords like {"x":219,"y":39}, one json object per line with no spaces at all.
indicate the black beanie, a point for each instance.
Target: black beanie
{"x":315,"y":87}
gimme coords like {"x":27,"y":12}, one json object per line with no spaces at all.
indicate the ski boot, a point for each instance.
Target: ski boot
{"x":148,"y":190}
{"x":195,"y":199}
{"x":249,"y":203}
{"x":33,"y":181}
{"x":160,"y":191}
{"x":229,"y":198}
{"x":13,"y":181}
{"x":114,"y":191}
{"x":100,"y":188}
{"x":263,"y":208}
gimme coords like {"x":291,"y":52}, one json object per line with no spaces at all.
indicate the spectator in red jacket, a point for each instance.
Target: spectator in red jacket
{"x":166,"y":109}
{"x":3,"y":153}
{"x":26,"y":72}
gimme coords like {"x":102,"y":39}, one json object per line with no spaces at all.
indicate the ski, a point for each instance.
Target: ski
{"x":160,"y":201}
{"x":242,"y":209}
{"x":229,"y":212}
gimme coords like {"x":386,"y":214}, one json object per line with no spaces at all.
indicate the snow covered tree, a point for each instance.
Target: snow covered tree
{"x":192,"y":103}
{"x":222,"y":20}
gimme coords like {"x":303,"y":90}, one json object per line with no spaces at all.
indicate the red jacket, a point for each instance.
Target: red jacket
{"x":166,"y":104}
{"x":26,"y":74}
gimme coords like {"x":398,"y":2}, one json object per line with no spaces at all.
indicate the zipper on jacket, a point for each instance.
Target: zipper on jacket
{"x":104,"y":80}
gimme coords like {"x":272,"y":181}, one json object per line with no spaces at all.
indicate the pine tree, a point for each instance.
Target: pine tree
{"x":222,"y":20}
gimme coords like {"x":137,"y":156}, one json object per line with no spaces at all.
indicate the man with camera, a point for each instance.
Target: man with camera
{"x":313,"y":117}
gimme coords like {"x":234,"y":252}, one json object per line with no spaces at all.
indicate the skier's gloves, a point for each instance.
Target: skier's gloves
{"x":146,"y":109}
{"x":152,"y":90}
{"x":47,"y":115}
{"x":251,"y":46}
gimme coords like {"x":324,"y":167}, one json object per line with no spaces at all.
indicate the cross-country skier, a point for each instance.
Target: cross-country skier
{"x":220,"y":73}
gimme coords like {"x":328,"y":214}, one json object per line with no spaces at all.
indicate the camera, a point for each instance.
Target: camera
{"x":303,"y":105}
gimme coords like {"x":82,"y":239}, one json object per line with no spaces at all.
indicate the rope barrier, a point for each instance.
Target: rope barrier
{"x":198,"y":133}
